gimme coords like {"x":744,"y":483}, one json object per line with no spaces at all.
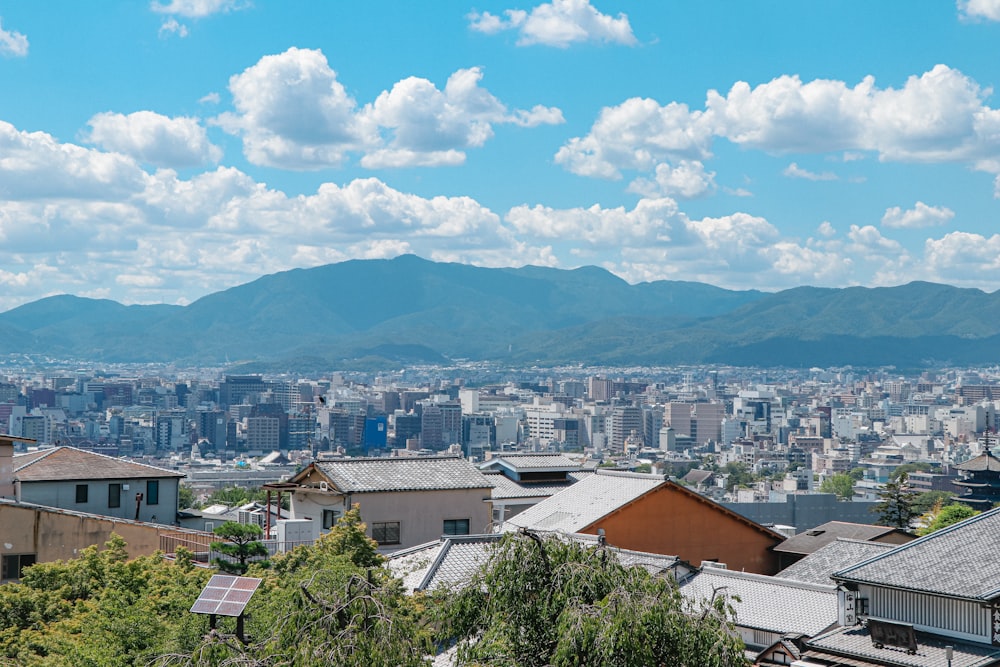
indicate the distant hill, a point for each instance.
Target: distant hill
{"x":411,"y":310}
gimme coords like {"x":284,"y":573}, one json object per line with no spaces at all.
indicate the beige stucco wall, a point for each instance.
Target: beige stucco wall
{"x":421,"y":514}
{"x":60,"y":535}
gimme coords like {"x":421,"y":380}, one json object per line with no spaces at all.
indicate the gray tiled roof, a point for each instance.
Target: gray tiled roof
{"x":820,"y":536}
{"x":419,"y":473}
{"x":855,"y":642}
{"x":69,"y":463}
{"x":768,"y":603}
{"x":817,"y":567}
{"x":958,"y":561}
{"x":504,"y":488}
{"x":984,"y":462}
{"x":585,"y":502}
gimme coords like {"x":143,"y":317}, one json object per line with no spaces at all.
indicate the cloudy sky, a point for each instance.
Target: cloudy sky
{"x":154,"y":153}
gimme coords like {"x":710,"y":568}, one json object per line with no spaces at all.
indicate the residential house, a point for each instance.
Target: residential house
{"x":932,"y":602}
{"x":522,"y":480}
{"x":82,"y":481}
{"x":652,"y":514}
{"x":405,"y":501}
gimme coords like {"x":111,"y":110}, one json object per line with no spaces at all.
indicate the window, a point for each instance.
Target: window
{"x":81,"y":493}
{"x":386,"y":532}
{"x":114,"y":495}
{"x":330,"y":518}
{"x":456,"y":527}
{"x":13,"y":566}
{"x":153,"y":492}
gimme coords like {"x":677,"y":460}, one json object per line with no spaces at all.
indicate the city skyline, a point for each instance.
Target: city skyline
{"x":158,"y":152}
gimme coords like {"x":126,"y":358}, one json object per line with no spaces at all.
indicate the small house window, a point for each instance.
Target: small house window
{"x":114,"y":495}
{"x":386,"y":532}
{"x":330,"y":518}
{"x":153,"y":492}
{"x":13,"y":566}
{"x":81,"y":493}
{"x":456,"y":527}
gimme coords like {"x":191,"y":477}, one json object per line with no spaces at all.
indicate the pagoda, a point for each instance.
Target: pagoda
{"x":982,"y":477}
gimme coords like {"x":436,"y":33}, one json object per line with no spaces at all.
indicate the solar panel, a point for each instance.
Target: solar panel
{"x":225,"y":595}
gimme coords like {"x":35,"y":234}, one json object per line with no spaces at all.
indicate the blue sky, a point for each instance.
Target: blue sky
{"x":157,"y":152}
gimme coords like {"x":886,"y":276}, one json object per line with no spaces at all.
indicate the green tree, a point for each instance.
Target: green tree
{"x":347,"y":538}
{"x":241,"y":541}
{"x":841,"y":484}
{"x":738,"y":475}
{"x":896,"y":503}
{"x":857,"y":474}
{"x":547,"y":601}
{"x":942,"y":517}
{"x":185,"y":497}
{"x":100,"y":610}
{"x":926,"y":501}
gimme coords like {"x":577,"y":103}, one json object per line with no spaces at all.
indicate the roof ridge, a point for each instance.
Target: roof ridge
{"x":631,"y":475}
{"x":42,"y":453}
{"x":919,"y":541}
{"x":780,"y":581}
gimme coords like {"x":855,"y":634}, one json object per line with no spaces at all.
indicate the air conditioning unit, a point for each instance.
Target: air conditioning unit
{"x":323,"y":486}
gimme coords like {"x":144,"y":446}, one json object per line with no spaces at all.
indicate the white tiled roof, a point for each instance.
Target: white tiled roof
{"x":585,"y":502}
{"x":768,"y":603}
{"x":453,"y":560}
{"x":419,"y":473}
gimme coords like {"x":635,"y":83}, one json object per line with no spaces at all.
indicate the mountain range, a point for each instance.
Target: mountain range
{"x":407,"y":310}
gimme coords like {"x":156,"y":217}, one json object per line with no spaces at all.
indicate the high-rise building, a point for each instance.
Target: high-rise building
{"x":237,"y":389}
{"x":624,"y":421}
{"x":263,"y":434}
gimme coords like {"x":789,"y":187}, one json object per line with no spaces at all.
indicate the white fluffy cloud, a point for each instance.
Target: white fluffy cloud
{"x":637,"y":134}
{"x":95,"y":223}
{"x":34,"y":165}
{"x":430,"y":127}
{"x":293,"y":112}
{"x":687,"y":180}
{"x":921,"y":215}
{"x":155,"y":139}
{"x":559,"y":23}
{"x":939,"y":116}
{"x":198,"y":8}
{"x":795,"y":171}
{"x":964,"y":259}
{"x":648,"y":222}
{"x":12,"y":43}
{"x":979,"y":9}
{"x":172,"y":26}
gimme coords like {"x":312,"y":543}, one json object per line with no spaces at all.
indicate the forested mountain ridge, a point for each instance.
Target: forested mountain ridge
{"x":411,"y":310}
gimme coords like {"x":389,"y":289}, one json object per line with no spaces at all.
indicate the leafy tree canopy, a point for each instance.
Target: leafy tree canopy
{"x":547,"y":601}
{"x":895,"y":507}
{"x":841,"y":484}
{"x":240,"y":544}
{"x":942,"y":517}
